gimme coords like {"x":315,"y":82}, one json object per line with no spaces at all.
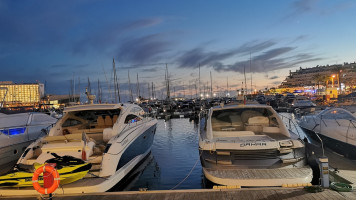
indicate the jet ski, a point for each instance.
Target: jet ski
{"x":70,"y":169}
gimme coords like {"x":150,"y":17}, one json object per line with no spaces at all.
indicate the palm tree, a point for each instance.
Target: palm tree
{"x":318,"y":79}
{"x":325,"y":79}
{"x":337,"y":69}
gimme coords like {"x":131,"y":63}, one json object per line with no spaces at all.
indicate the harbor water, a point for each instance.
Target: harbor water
{"x":174,"y":156}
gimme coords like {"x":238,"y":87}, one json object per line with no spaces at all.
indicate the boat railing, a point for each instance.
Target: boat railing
{"x":291,"y":124}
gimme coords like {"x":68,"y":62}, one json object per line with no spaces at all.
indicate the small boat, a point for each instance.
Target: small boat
{"x":70,"y":169}
{"x":336,"y":127}
{"x":302,"y":104}
{"x":249,"y":145}
{"x":113,"y":138}
{"x":17,"y":131}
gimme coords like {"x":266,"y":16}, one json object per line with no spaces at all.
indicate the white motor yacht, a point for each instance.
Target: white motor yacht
{"x":249,"y":145}
{"x":114,"y":137}
{"x":17,"y":131}
{"x":336,"y":127}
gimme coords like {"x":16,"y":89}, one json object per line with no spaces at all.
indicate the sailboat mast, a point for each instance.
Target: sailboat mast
{"x":152,"y":91}
{"x":199,"y":82}
{"x":131,"y":97}
{"x":115,"y":79}
{"x":251,"y":72}
{"x":211,"y":86}
{"x":227,"y":86}
{"x":245,"y":80}
{"x":167,"y":75}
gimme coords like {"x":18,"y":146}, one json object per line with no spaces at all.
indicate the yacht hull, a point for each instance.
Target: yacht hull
{"x":13,"y":152}
{"x":338,"y":146}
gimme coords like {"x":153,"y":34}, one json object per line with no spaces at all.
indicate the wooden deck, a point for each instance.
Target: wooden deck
{"x":206,"y":194}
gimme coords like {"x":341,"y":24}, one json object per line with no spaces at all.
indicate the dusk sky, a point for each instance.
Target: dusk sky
{"x":54,"y":41}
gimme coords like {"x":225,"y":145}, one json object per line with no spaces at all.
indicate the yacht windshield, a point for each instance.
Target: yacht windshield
{"x":337,"y":114}
{"x":91,"y":118}
{"x":237,"y":119}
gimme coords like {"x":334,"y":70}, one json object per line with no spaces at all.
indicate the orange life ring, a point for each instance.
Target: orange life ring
{"x":40,"y":170}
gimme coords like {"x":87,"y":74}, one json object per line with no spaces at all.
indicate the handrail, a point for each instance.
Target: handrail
{"x":321,"y":142}
{"x":290,"y":123}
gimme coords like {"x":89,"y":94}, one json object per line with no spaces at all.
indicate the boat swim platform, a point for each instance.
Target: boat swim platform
{"x":260,"y":177}
{"x":205,"y":194}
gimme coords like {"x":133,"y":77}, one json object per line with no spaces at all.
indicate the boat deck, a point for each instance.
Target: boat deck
{"x":260,"y":177}
{"x":260,"y":173}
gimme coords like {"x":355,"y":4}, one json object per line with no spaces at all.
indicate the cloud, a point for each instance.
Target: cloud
{"x":302,"y":6}
{"x":265,"y":58}
{"x":60,"y":66}
{"x":142,"y":23}
{"x":300,"y":38}
{"x":318,"y":7}
{"x":149,"y":48}
{"x":110,"y":35}
{"x":276,"y":82}
{"x":273,"y":77}
{"x":198,"y":56}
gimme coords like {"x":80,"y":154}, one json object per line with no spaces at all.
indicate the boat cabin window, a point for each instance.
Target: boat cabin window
{"x":337,"y":114}
{"x":132,"y":118}
{"x":71,"y":122}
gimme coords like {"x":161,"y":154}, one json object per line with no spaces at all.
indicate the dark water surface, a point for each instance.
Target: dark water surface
{"x":174,"y":154}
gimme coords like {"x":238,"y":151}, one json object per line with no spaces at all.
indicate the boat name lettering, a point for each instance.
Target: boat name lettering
{"x":253,"y":144}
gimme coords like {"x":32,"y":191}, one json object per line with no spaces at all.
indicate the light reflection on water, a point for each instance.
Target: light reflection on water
{"x":175,"y":152}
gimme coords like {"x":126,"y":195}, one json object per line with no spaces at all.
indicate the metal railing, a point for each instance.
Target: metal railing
{"x":291,"y":124}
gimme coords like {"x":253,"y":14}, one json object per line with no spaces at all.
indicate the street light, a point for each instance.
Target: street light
{"x":332,"y":80}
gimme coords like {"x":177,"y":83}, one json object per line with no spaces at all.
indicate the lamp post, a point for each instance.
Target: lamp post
{"x":332,"y":80}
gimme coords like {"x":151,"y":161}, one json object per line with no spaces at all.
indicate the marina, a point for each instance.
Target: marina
{"x":177,"y":100}
{"x":159,"y":173}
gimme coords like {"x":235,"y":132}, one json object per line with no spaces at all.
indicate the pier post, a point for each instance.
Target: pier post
{"x":324,"y":171}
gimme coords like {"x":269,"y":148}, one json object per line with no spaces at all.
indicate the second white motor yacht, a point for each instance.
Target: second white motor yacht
{"x":249,"y":145}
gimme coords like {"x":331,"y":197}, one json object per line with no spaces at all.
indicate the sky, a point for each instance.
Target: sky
{"x":57,"y":41}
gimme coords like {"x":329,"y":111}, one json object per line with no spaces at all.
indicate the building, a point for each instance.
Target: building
{"x":329,"y":76}
{"x":21,"y":94}
{"x":61,"y":101}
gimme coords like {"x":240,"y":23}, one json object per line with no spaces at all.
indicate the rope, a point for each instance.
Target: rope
{"x":187,"y":175}
{"x":196,"y":162}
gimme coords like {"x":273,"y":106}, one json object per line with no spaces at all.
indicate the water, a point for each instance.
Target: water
{"x":174,"y":154}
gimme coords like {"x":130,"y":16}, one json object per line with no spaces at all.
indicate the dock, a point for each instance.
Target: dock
{"x":206,"y":194}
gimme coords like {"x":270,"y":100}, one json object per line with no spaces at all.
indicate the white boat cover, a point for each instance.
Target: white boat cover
{"x":22,"y":119}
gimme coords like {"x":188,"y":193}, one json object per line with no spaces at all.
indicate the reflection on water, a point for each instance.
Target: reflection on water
{"x":175,"y":152}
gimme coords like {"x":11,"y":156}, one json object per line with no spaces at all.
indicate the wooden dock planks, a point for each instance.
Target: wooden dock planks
{"x":207,"y":194}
